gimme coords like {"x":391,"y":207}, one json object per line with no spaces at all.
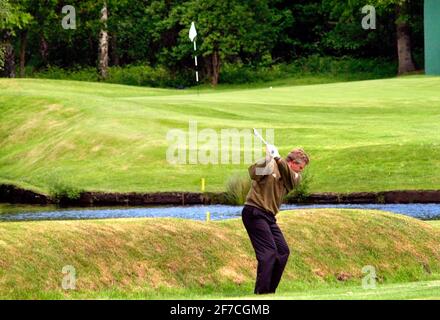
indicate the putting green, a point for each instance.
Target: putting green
{"x":362,"y":136}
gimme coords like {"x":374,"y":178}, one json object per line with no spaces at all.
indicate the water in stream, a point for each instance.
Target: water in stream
{"x":9,"y":212}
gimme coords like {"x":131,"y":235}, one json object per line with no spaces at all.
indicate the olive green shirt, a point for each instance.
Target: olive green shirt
{"x":270,"y":183}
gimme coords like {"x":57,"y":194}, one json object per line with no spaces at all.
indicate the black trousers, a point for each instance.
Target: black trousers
{"x":270,"y":248}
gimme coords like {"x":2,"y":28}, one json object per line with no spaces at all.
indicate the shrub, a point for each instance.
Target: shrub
{"x":348,"y":67}
{"x":301,"y":191}
{"x":62,"y":191}
{"x":237,"y":188}
{"x":144,"y":75}
{"x":135,"y":75}
{"x":77,"y":73}
{"x":232,"y":73}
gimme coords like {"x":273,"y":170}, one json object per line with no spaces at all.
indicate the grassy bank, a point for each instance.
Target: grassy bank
{"x":66,"y":136}
{"x":166,"y":258}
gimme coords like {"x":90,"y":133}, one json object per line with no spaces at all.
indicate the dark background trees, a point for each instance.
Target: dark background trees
{"x":248,"y":32}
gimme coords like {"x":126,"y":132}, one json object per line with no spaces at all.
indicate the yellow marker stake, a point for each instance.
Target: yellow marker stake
{"x":208,"y":216}
{"x":203,"y":184}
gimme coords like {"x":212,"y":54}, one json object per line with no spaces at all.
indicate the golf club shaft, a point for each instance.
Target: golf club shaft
{"x":257,"y":134}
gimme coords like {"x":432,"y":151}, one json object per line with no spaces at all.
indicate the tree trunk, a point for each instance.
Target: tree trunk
{"x":406,"y":63}
{"x":208,"y":66}
{"x":23,"y":42}
{"x":215,"y":67}
{"x":103,"y":43}
{"x":44,"y":50}
{"x":115,"y":56}
{"x":9,"y":66}
{"x":92,"y":58}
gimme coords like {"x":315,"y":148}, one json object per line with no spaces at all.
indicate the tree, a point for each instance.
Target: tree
{"x":15,"y":20}
{"x":42,"y":19}
{"x":404,"y":50}
{"x":401,"y":13}
{"x":302,"y":24}
{"x":4,"y":13}
{"x":227,"y":30}
{"x":242,"y":32}
{"x":130,"y":31}
{"x":4,"y":9}
{"x":103,"y":43}
{"x":46,"y":20}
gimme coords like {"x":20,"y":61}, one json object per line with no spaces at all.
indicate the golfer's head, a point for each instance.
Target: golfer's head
{"x":297,"y":160}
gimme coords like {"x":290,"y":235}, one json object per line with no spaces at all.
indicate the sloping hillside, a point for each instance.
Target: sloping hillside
{"x":362,"y":136}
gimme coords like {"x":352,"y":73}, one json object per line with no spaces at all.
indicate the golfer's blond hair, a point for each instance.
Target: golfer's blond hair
{"x":298,"y":156}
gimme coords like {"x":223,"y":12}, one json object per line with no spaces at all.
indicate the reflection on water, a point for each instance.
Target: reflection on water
{"x":9,"y":212}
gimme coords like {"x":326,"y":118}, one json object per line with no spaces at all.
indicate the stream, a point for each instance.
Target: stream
{"x":10,"y":212}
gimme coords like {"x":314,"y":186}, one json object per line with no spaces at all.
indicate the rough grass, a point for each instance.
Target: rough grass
{"x":426,"y":290}
{"x":434,"y":223}
{"x":163,"y":258}
{"x":362,"y":136}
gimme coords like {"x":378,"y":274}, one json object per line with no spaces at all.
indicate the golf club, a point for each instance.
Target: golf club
{"x":257,"y":134}
{"x":270,"y":148}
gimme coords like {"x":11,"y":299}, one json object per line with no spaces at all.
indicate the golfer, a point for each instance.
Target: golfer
{"x":272,"y":178}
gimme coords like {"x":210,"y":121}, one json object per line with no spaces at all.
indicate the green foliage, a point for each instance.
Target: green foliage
{"x":348,"y":37}
{"x":237,"y":188}
{"x":14,"y":16}
{"x":4,"y":9}
{"x":252,"y":34}
{"x":233,"y":73}
{"x":136,"y":75}
{"x":302,"y":191}
{"x":62,"y":190}
{"x":77,"y":73}
{"x":4,"y":13}
{"x":227,"y":30}
{"x":312,"y":65}
{"x":231,"y":26}
{"x":149,"y":76}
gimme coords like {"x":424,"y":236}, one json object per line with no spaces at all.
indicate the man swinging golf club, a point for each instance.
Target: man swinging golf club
{"x":272,"y":178}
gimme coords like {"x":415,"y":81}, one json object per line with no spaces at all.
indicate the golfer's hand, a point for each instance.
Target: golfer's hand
{"x":272,"y":151}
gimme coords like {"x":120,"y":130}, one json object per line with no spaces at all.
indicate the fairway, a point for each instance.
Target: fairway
{"x":362,"y":136}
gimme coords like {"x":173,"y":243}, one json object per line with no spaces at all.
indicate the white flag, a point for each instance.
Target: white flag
{"x":192,"y":32}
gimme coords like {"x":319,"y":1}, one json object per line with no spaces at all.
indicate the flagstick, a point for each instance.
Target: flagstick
{"x":192,"y":37}
{"x":195,"y":62}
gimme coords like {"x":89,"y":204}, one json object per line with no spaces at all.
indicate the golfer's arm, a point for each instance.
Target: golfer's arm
{"x":290,"y":177}
{"x":253,"y":171}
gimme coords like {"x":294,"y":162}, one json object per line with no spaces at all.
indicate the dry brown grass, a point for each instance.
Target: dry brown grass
{"x":135,"y":254}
